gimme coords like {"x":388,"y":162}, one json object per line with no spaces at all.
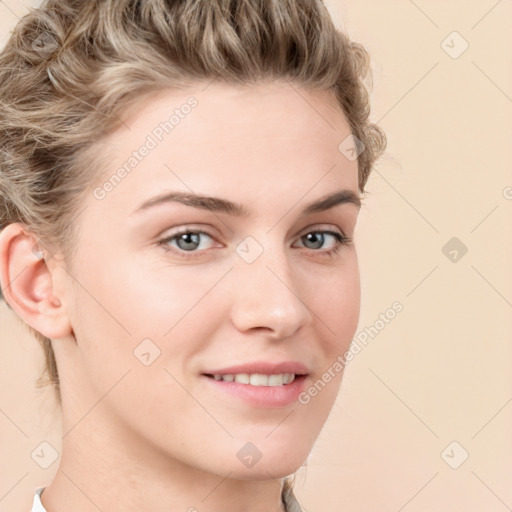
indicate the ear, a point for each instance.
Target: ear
{"x":28,"y":283}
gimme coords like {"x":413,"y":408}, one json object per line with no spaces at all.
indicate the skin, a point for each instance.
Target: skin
{"x":157,"y":437}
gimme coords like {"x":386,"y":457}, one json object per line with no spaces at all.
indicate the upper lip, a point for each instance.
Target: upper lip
{"x":261,"y":367}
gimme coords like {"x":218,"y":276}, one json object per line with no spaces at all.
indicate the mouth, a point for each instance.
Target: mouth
{"x":257,"y":379}
{"x":256,"y":390}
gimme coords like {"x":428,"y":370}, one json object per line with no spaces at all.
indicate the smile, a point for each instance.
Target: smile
{"x":256,"y":379}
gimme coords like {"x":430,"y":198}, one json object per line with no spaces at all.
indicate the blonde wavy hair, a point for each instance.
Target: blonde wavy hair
{"x":70,"y":67}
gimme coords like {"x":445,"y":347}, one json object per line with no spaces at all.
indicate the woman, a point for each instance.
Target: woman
{"x":180,"y":185}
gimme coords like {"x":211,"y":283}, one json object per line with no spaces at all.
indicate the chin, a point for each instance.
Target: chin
{"x":274,"y":463}
{"x":261,"y":471}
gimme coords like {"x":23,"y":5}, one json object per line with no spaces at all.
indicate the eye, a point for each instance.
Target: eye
{"x":186,"y":241}
{"x":316,"y":240}
{"x":190,"y":243}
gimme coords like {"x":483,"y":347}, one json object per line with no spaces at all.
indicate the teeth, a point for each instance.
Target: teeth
{"x":288,"y":378}
{"x":258,"y":379}
{"x":243,"y":378}
{"x":275,"y":380}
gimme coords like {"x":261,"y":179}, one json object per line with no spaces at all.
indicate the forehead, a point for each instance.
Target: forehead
{"x":243,"y":104}
{"x":229,"y":140}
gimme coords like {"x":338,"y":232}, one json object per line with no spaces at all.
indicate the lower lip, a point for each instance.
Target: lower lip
{"x":262,"y":396}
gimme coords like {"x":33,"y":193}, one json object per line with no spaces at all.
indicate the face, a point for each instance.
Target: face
{"x":170,"y":293}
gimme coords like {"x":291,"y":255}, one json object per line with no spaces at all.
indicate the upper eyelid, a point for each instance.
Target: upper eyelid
{"x":320,"y":227}
{"x":308,"y":229}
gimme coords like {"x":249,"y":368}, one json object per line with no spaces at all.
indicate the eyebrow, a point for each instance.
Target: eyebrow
{"x":217,"y":204}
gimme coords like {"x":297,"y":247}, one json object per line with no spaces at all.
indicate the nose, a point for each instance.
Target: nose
{"x":267,"y":297}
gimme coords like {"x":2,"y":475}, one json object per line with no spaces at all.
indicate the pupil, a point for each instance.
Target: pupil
{"x":188,"y":238}
{"x":319,"y":237}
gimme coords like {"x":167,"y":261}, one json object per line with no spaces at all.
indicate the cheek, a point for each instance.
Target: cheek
{"x":336,"y":301}
{"x":125,"y":310}
{"x":139,"y":296}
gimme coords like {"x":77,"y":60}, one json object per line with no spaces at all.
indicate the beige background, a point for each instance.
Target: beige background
{"x":441,"y":370}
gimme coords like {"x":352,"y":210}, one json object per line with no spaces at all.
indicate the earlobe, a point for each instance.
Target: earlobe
{"x":28,"y":283}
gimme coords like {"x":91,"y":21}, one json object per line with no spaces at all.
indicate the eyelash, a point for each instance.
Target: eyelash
{"x":340,"y":242}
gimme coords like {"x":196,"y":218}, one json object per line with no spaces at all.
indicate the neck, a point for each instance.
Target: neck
{"x":104,"y":468}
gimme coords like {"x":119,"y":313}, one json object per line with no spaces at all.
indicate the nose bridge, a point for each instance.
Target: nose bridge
{"x":266,"y":293}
